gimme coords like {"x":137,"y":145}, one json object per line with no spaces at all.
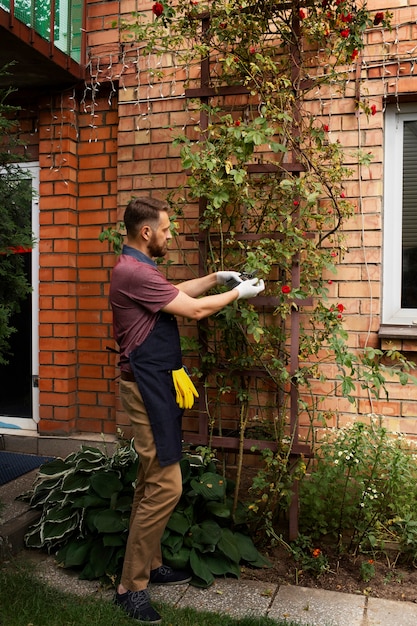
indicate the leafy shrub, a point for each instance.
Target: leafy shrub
{"x":86,"y":500}
{"x":362,"y":490}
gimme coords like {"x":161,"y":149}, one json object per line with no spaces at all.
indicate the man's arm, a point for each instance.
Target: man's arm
{"x":198,"y":308}
{"x":197,"y":286}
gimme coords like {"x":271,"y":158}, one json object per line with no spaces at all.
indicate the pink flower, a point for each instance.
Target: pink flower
{"x":285,"y":289}
{"x":373,"y":109}
{"x":158,"y":9}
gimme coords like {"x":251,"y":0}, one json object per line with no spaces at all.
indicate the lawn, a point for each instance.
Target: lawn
{"x":27,"y":601}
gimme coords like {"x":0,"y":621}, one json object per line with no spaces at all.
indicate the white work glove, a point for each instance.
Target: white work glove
{"x":250,"y":288}
{"x":224,"y":277}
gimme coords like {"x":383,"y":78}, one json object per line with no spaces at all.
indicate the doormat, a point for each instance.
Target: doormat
{"x":13,"y":465}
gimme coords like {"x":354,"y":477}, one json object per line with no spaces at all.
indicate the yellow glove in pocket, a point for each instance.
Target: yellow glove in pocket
{"x":184,"y":388}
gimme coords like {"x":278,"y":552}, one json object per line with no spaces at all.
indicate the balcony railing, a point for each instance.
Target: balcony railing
{"x":59,"y":22}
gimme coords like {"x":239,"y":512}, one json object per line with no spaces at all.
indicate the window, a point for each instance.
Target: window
{"x":400,"y":216}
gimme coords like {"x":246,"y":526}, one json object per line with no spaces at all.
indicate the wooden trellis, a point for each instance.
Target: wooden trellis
{"x":205,"y":92}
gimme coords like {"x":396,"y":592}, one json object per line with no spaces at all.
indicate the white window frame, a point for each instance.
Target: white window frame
{"x":392,"y":313}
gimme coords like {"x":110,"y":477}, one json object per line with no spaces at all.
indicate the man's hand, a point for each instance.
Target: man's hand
{"x":250,"y":288}
{"x":223,"y":278}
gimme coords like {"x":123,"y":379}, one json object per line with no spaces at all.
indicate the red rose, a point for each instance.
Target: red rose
{"x":237,"y":123}
{"x":301,"y":14}
{"x":354,"y":54}
{"x":340,"y":308}
{"x":379,"y":17}
{"x":285,"y":289}
{"x":373,"y":109}
{"x":158,"y":9}
{"x":345,"y":33}
{"x":296,"y":202}
{"x":343,"y":195}
{"x":326,"y":128}
{"x":252,"y":50}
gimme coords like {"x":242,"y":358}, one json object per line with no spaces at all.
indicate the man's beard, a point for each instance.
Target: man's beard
{"x":155,"y":249}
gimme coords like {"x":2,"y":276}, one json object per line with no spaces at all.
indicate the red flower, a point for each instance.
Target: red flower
{"x":354,"y":54}
{"x":333,"y":254}
{"x":296,"y":203}
{"x":316,"y":553}
{"x":343,"y":195}
{"x":345,"y":33}
{"x":252,"y":50}
{"x":237,"y":123}
{"x":158,"y":9}
{"x":326,"y":128}
{"x":301,"y":14}
{"x":346,"y":18}
{"x":285,"y":289}
{"x":340,"y":308}
{"x":373,"y":109}
{"x":379,"y":17}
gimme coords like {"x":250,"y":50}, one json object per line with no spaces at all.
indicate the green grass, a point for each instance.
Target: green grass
{"x":25,"y":600}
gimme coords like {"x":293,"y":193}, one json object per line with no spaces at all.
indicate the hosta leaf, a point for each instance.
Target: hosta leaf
{"x":177,"y":560}
{"x":75,"y":553}
{"x":76,"y":482}
{"x":219,"y":509}
{"x":106,"y":483}
{"x":98,"y":560}
{"x":114,"y":540}
{"x":220,"y":565}
{"x":228,"y":545}
{"x":89,"y":500}
{"x":54,"y":468}
{"x":245,"y":545}
{"x":33,"y":538}
{"x":200,"y":569}
{"x":205,"y":534}
{"x":109,"y":521}
{"x":210,"y":486}
{"x":179,"y":523}
{"x":59,"y":514}
{"x":58,"y":530}
{"x":172,"y":541}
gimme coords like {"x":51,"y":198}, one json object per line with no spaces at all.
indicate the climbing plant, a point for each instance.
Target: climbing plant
{"x":271,"y":183}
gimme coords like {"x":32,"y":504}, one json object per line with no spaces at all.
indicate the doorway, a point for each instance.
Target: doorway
{"x":19,"y":394}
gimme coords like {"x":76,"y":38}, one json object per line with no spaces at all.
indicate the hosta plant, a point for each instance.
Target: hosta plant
{"x":85,"y":501}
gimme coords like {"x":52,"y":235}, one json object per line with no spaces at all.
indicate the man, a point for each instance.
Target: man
{"x":144,"y":304}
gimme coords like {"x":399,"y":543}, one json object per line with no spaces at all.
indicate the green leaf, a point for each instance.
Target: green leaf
{"x":179,"y":523}
{"x":58,"y":467}
{"x":106,"y":483}
{"x":220,"y":565}
{"x":75,"y":482}
{"x":210,"y":486}
{"x":74,"y":553}
{"x":228,"y":545}
{"x":200,"y":569}
{"x":219,"y":509}
{"x":109,"y":522}
{"x":177,"y":560}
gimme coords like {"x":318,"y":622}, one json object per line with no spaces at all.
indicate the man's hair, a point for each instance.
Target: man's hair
{"x":142,"y":211}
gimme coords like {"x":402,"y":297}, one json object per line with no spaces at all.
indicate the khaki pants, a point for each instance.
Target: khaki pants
{"x":158,"y":490}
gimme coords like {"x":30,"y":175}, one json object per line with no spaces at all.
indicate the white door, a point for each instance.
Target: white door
{"x":19,"y":393}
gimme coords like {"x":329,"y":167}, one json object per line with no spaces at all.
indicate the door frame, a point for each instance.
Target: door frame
{"x":10,"y":424}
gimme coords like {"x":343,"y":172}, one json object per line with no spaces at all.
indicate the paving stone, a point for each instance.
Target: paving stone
{"x":231,"y":597}
{"x":384,"y":612}
{"x":315,"y":607}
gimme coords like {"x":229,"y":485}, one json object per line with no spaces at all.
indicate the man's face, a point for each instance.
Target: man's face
{"x":161,"y":235}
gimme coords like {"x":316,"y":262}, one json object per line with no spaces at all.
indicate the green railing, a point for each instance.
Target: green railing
{"x":57,"y":21}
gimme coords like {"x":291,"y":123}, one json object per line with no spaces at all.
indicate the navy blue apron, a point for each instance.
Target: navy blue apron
{"x":152,"y":363}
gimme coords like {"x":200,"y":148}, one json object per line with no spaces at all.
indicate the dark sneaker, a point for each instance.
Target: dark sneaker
{"x":137,"y":604}
{"x":165,"y":575}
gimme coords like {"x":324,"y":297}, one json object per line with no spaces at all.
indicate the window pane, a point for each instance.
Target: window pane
{"x":409,"y":219}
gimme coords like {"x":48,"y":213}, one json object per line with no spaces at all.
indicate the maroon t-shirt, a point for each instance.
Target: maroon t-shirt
{"x":138,"y":291}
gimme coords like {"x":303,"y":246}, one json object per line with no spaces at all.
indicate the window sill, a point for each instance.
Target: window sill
{"x":395,"y":337}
